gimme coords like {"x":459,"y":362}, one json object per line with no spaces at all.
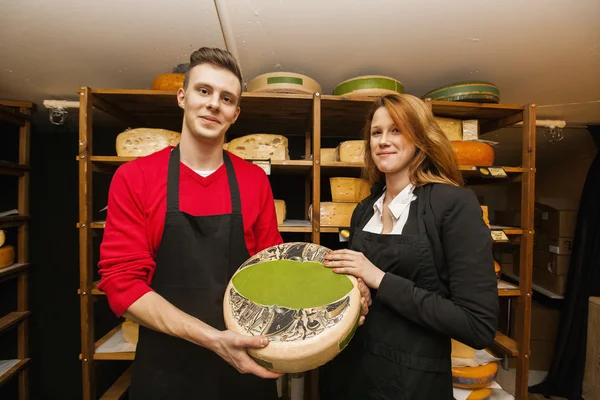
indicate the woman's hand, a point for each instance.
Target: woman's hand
{"x":365,"y":300}
{"x":354,"y":263}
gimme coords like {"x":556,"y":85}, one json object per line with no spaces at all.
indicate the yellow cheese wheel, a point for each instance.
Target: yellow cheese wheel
{"x":480,"y":394}
{"x":2,"y":237}
{"x":349,"y":190}
{"x":168,"y":82}
{"x":130,"y":331}
{"x":473,"y":153}
{"x":335,"y":214}
{"x":280,"y":210}
{"x":474,"y":377}
{"x":328,"y":156}
{"x":283,"y":82}
{"x":260,"y":146}
{"x":7,"y":256}
{"x":351,"y":151}
{"x":140,"y":142}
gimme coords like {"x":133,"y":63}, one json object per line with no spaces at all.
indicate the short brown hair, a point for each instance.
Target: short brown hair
{"x":434,"y":159}
{"x":217,"y":57}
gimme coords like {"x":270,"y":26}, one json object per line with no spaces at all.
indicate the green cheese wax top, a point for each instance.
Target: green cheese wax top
{"x":291,"y":284}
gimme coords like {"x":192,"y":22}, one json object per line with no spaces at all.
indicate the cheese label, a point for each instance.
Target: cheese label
{"x":284,"y":79}
{"x":499,"y":236}
{"x":264,"y":164}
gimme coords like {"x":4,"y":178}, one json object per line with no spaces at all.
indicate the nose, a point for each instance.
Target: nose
{"x":213,"y":103}
{"x":384,"y":139}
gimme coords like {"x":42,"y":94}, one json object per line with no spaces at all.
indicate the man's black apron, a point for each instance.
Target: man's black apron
{"x":196,"y":259}
{"x":391,"y":357}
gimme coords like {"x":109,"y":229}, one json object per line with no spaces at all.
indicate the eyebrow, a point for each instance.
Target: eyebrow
{"x":225,"y":92}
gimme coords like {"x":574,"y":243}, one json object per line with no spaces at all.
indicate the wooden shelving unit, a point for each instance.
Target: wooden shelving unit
{"x":19,"y":114}
{"x":312,"y":119}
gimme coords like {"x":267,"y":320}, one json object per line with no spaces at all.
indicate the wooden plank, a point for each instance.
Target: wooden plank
{"x":12,"y":271}
{"x":304,"y":229}
{"x":119,"y":389}
{"x":85,"y":244}
{"x":494,"y":125}
{"x":468,"y":110}
{"x":526,"y":249}
{"x":13,"y":371}
{"x":511,"y":292}
{"x":104,"y":105}
{"x":125,"y":355}
{"x":505,"y":344}
{"x":316,"y":172}
{"x":12,"y":116}
{"x":9,"y":103}
{"x":12,"y":221}
{"x":12,"y":319}
{"x":16,"y":169}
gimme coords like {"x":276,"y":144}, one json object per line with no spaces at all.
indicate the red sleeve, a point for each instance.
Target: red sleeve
{"x":126,"y":263}
{"x":265,"y":229}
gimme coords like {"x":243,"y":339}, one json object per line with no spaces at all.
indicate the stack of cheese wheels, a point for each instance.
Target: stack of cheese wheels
{"x":477,"y":154}
{"x":308,"y":312}
{"x":473,"y":378}
{"x":474,"y":91}
{"x":351,"y":151}
{"x":7,"y":252}
{"x":141,"y":142}
{"x":349,"y":190}
{"x":368,"y":86}
{"x":260,"y":146}
{"x":281,"y":211}
{"x":283,"y":82}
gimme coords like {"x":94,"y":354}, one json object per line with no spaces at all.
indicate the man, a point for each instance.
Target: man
{"x":175,"y":235}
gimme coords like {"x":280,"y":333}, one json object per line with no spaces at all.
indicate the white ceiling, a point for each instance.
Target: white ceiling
{"x":540,"y":51}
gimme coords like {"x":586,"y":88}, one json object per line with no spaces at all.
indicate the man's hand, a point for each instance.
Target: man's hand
{"x":365,"y":300}
{"x":231,"y":346}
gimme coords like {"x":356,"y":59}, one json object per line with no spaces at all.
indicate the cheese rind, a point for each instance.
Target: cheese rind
{"x":141,"y":142}
{"x":7,"y":256}
{"x":474,"y":377}
{"x":281,"y":211}
{"x":473,"y":153}
{"x":260,"y":146}
{"x":368,"y":85}
{"x":2,"y":237}
{"x":351,"y":151}
{"x":283,"y":82}
{"x":349,"y":190}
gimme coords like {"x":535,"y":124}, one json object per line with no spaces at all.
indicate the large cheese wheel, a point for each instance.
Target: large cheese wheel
{"x":2,"y":237}
{"x":283,"y":82}
{"x":474,"y":377}
{"x":335,"y":214}
{"x":130,"y":331}
{"x":475,"y":91}
{"x":281,"y":211}
{"x":308,"y":312}
{"x":260,"y":146}
{"x":349,"y":190}
{"x":477,"y":154}
{"x":140,"y":142}
{"x":368,"y":85}
{"x":351,"y":151}
{"x":168,"y":82}
{"x":7,"y":256}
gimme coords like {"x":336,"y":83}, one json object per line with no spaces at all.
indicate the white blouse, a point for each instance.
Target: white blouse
{"x":399,"y":208}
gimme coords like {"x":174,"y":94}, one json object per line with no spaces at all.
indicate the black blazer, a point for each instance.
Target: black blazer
{"x":462,"y":248}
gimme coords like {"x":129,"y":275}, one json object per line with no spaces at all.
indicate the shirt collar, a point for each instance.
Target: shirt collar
{"x":399,"y":203}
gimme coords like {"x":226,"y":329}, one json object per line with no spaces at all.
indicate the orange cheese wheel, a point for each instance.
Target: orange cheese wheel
{"x":473,"y":153}
{"x":480,"y":394}
{"x":497,"y":268}
{"x":168,"y":82}
{"x":7,"y":256}
{"x":474,"y":377}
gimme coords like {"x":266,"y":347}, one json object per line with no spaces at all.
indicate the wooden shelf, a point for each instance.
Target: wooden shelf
{"x":9,"y":368}
{"x":110,"y":163}
{"x":119,"y":389}
{"x":506,"y":345}
{"x":286,"y":227}
{"x":114,"y":340}
{"x":13,"y":116}
{"x":12,"y":319}
{"x":12,"y":221}
{"x":12,"y":271}
{"x":509,"y":230}
{"x":8,"y":168}
{"x":507,"y":289}
{"x":536,"y":287}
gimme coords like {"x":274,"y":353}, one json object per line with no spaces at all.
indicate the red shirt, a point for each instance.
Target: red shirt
{"x":136,"y":217}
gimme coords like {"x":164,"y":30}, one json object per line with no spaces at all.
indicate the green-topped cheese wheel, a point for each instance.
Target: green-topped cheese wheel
{"x":308,"y":312}
{"x":473,"y":91}
{"x":283,"y":82}
{"x":369,"y":86}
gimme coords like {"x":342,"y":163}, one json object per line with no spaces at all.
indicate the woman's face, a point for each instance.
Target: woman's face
{"x":390,"y":148}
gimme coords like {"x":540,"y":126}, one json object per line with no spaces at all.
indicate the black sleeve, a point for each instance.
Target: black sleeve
{"x":470,"y":314}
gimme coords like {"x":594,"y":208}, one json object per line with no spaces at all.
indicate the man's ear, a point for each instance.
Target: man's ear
{"x":237,"y":114}
{"x":181,"y":98}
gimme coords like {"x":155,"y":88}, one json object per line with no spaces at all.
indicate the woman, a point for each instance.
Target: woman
{"x":420,"y":243}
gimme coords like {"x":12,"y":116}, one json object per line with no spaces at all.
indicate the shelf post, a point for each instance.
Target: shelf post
{"x":316,"y":171}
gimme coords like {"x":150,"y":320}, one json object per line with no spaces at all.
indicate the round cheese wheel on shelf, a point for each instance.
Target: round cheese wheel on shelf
{"x":474,"y":377}
{"x":2,"y":237}
{"x":474,"y":91}
{"x":7,"y":256}
{"x":168,"y":82}
{"x":477,"y":154}
{"x":140,"y":142}
{"x":369,"y":86}
{"x":283,"y":82}
{"x":308,"y":312}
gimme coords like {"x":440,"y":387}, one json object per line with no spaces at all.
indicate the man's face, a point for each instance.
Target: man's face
{"x":210,"y":102}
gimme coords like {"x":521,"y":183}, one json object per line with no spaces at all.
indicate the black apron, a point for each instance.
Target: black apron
{"x":392,"y":357}
{"x":196,"y":259}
